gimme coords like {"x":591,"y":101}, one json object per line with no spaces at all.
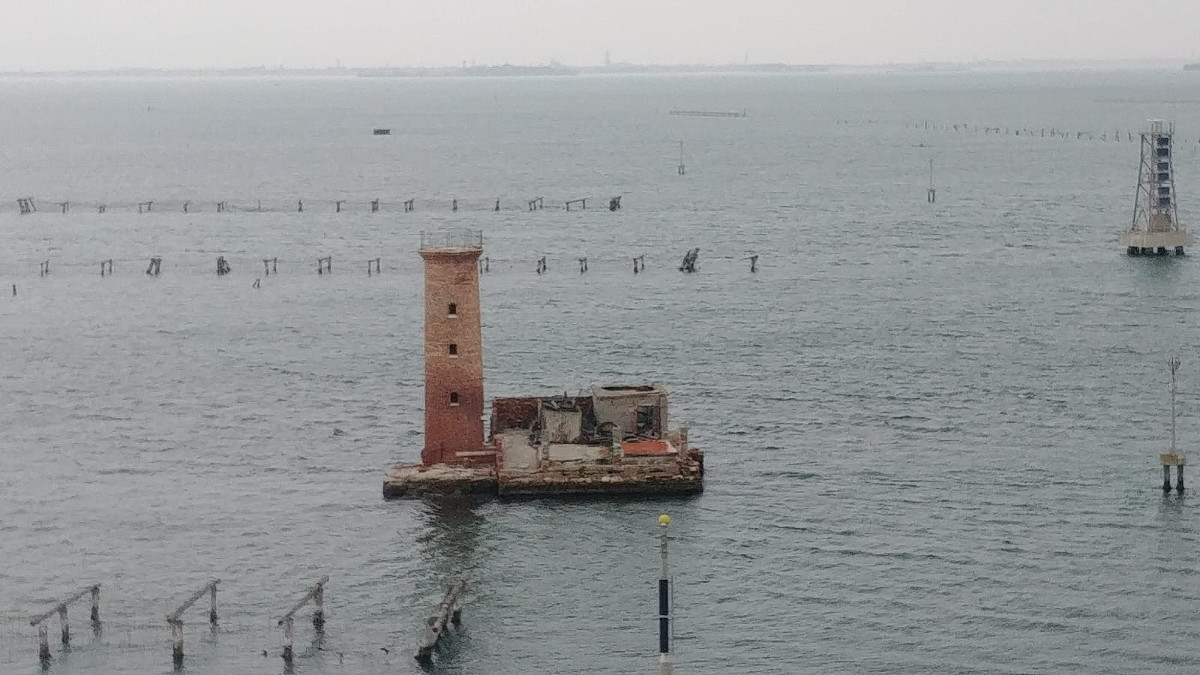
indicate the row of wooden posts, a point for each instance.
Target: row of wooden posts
{"x":448,"y":612}
{"x":374,"y":266}
{"x":1041,"y":132}
{"x":28,"y":205}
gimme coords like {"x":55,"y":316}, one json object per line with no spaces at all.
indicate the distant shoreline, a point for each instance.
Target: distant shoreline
{"x":559,"y":70}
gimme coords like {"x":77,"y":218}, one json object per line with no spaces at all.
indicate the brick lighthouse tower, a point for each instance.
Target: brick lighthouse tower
{"x":453,"y":349}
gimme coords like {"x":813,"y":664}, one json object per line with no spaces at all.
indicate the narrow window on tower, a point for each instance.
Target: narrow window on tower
{"x":453,"y":350}
{"x":454,"y":398}
{"x":453,"y":311}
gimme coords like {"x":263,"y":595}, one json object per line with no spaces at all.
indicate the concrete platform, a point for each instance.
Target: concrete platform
{"x":416,"y":481}
{"x":1148,"y":243}
{"x":577,"y":472}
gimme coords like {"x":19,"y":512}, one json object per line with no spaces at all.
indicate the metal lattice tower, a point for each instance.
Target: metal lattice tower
{"x":1155,"y":226}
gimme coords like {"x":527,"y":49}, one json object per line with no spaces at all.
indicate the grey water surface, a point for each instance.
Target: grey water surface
{"x":931,"y":430}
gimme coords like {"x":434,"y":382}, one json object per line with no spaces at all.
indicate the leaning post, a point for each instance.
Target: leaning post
{"x":95,"y":606}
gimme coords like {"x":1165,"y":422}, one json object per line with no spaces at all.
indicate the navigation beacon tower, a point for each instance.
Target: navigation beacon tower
{"x":453,"y":349}
{"x":1155,"y":227}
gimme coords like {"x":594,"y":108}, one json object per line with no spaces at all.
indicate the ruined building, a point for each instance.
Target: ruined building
{"x":615,"y":440}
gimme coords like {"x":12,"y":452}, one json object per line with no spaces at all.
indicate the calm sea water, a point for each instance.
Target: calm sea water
{"x":931,"y":430}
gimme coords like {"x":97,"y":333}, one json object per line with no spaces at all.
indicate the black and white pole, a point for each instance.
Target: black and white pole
{"x":664,"y":602}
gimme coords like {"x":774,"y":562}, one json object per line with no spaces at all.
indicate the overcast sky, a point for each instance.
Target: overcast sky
{"x":91,"y":34}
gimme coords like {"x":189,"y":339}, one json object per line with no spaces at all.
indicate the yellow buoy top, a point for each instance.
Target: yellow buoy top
{"x":664,"y":520}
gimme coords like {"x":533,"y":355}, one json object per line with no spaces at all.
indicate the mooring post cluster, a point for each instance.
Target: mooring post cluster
{"x":60,"y":609}
{"x":315,"y":594}
{"x":223,"y":267}
{"x":155,"y":266}
{"x":375,"y":262}
{"x":175,"y":621}
{"x":104,"y":264}
{"x":325,"y":265}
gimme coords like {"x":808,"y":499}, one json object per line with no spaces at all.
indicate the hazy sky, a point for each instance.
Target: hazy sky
{"x":88,"y":34}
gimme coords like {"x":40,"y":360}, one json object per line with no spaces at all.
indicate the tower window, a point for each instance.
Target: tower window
{"x":454,"y":398}
{"x":453,"y":310}
{"x":453,"y":349}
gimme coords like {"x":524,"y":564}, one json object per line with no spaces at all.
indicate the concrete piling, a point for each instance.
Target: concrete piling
{"x":148,"y":206}
{"x":44,"y":268}
{"x":288,"y":636}
{"x":497,"y":209}
{"x":409,"y":205}
{"x":175,"y":620}
{"x":101,"y":208}
{"x":448,"y":612}
{"x":583,"y":266}
{"x":753,"y":264}
{"x":43,"y":644}
{"x":338,"y":205}
{"x":454,"y":205}
{"x":220,"y":207}
{"x":541,"y":265}
{"x":299,"y":206}
{"x":535,"y":204}
{"x":374,"y":206}
{"x":614,"y":204}
{"x":155,"y":266}
{"x":639,"y":264}
{"x":222,"y":266}
{"x":582,"y":202}
{"x":65,"y":206}
{"x":316,"y":594}
{"x":61,"y":610}
{"x":65,"y":625}
{"x":325,"y":265}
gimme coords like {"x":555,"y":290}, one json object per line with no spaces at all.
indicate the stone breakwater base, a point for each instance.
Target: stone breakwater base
{"x":666,"y":476}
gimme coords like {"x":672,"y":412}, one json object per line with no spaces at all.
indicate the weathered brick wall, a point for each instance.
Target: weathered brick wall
{"x":513,"y":413}
{"x":452,"y":277}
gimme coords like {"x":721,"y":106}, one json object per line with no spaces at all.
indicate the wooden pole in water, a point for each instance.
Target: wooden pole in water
{"x":95,"y":617}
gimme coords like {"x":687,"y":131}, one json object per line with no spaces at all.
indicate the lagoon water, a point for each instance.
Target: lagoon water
{"x":931,"y":430}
